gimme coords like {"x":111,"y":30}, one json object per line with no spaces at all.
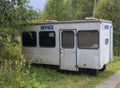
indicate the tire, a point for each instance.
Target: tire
{"x":96,"y":72}
{"x":103,"y":68}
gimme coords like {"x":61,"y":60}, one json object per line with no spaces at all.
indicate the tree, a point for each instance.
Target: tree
{"x":82,"y":8}
{"x":110,"y":10}
{"x":53,"y":10}
{"x":68,"y":9}
{"x":13,"y":13}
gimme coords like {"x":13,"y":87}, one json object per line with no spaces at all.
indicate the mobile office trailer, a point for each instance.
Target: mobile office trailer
{"x":70,"y":44}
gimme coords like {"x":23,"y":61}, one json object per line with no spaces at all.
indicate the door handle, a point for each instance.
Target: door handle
{"x":61,"y":51}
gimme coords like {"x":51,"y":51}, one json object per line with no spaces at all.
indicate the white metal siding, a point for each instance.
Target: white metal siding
{"x":86,"y":58}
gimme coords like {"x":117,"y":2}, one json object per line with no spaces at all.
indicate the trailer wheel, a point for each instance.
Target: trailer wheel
{"x":103,"y":69}
{"x":96,"y":72}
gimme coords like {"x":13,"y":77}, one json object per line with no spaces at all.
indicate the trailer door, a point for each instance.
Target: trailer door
{"x":68,"y":50}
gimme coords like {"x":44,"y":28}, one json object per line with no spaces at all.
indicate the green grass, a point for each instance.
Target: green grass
{"x":47,"y":77}
{"x":52,"y":78}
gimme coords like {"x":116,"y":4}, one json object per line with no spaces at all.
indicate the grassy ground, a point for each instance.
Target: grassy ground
{"x":118,"y":85}
{"x":52,"y":78}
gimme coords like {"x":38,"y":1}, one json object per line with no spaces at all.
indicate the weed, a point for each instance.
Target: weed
{"x":53,"y":78}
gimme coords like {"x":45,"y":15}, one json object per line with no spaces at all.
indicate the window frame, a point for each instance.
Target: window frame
{"x":49,"y":45}
{"x":88,"y":31}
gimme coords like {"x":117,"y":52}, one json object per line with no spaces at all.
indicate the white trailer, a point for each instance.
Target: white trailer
{"x":69,"y":44}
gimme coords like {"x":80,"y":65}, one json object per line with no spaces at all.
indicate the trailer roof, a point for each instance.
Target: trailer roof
{"x":73,"y":21}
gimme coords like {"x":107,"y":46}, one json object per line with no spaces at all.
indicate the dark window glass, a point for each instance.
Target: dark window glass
{"x":29,"y":39}
{"x":47,"y":39}
{"x":68,"y":39}
{"x":88,"y":39}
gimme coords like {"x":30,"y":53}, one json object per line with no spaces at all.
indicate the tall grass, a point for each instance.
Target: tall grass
{"x":54,"y":78}
{"x":14,"y":72}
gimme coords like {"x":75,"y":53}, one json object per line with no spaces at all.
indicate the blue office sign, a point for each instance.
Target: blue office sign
{"x":46,"y":27}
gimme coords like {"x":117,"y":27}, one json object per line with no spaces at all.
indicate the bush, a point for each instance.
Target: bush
{"x":14,"y":72}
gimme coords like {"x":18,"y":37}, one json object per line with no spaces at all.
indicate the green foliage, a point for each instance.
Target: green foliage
{"x":14,"y":72}
{"x":110,"y":10}
{"x":7,"y":36}
{"x":53,"y":10}
{"x":53,"y":78}
{"x":80,"y":9}
{"x":14,"y":13}
{"x":68,"y":9}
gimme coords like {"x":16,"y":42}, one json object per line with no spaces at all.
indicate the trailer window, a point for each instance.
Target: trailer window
{"x":68,"y":39}
{"x":47,"y":39}
{"x":29,"y":39}
{"x":88,"y":39}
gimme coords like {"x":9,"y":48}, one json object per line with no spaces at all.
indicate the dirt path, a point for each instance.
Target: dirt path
{"x":110,"y":82}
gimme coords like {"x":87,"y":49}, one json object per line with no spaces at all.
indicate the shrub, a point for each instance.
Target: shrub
{"x":14,"y":72}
